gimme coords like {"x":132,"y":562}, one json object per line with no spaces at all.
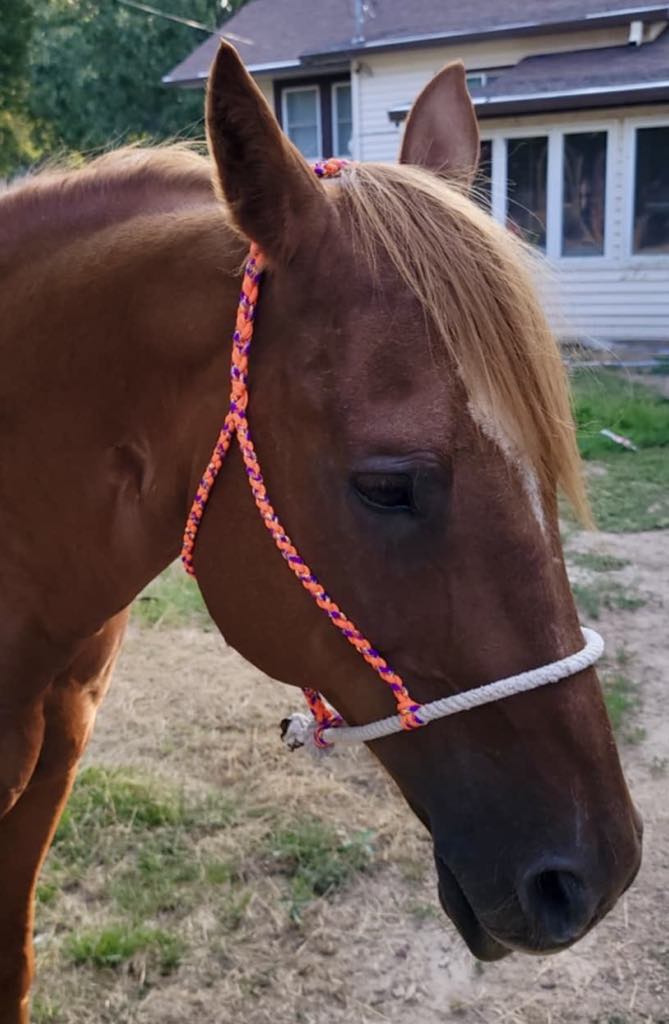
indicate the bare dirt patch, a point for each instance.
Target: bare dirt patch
{"x":186,"y":710}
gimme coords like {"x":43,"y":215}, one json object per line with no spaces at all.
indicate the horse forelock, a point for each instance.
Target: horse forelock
{"x":477,"y":286}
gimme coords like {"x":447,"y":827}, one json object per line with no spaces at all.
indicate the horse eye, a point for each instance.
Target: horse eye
{"x":385,"y":492}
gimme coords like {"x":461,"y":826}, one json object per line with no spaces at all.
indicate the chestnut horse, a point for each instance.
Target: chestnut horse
{"x":410,"y":411}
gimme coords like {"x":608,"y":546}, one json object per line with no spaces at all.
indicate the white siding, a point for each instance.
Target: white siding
{"x":618,"y":296}
{"x":388,"y":80}
{"x":615,"y":297}
{"x":266,"y":86}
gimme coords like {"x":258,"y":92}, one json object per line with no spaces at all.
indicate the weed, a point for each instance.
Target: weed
{"x":47,"y":893}
{"x":165,"y":875}
{"x":115,"y":944}
{"x":218,"y":872}
{"x":598,"y":561}
{"x":659,"y":767}
{"x":593,"y":597}
{"x":158,"y":878}
{"x":661,"y":954}
{"x":44,"y":1011}
{"x":423,"y":911}
{"x":620,"y":696}
{"x":232,"y":908}
{"x":316,"y":859}
{"x":257,"y":982}
{"x":412,"y":868}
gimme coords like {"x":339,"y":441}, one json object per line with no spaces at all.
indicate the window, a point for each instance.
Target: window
{"x":481,"y":79}
{"x":584,"y":194}
{"x":342,"y":120}
{"x":302,"y":119}
{"x":482,"y":187}
{"x":476,"y":79}
{"x":651,"y":191}
{"x":527,"y":164}
{"x":316,"y":114}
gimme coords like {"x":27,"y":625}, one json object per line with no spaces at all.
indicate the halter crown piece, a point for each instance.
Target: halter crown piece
{"x":324,"y":726}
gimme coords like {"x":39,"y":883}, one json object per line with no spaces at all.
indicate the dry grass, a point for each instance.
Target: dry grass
{"x":201,"y":866}
{"x":204,"y":874}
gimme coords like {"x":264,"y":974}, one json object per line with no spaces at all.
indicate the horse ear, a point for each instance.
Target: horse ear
{"x":442,"y":133}
{"x":269,"y":187}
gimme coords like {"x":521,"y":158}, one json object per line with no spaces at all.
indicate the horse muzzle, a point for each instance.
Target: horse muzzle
{"x":554,"y":903}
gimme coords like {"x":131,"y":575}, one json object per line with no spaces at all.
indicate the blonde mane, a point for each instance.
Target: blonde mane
{"x":475,"y":283}
{"x":473,"y":279}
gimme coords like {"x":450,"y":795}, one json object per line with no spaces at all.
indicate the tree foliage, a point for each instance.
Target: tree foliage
{"x":88,"y":73}
{"x":16,"y":25}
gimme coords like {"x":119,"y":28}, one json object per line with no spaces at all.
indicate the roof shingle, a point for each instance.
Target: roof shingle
{"x":282,"y":32}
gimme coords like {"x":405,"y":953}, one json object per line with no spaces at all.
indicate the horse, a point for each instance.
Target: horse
{"x":410,"y":408}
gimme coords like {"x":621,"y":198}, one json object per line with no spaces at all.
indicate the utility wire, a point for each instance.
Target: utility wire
{"x":188,"y":22}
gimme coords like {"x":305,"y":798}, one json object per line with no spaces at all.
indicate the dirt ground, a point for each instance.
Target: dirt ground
{"x":380,"y":949}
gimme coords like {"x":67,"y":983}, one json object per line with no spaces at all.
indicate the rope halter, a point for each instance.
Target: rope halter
{"x":324,"y":726}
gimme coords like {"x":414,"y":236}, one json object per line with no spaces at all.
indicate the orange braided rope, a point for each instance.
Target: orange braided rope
{"x":236,"y":424}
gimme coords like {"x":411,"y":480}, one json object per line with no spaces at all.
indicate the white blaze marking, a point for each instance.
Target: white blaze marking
{"x":495,"y":433}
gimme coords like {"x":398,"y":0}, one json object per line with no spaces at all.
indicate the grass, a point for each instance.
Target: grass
{"x":592,"y":598}
{"x":172,"y":599}
{"x":421,"y":912}
{"x":632,"y":492}
{"x":116,"y":944}
{"x":608,"y":399}
{"x":113,"y":803}
{"x":316,"y":859}
{"x":44,"y":1010}
{"x":137,"y":849}
{"x":598,"y":561}
{"x":621,"y":695}
{"x":629,"y":490}
{"x":148,"y":859}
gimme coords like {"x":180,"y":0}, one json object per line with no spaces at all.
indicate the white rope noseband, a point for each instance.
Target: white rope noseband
{"x":298,"y":730}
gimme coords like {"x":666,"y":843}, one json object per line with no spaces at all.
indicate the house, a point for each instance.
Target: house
{"x":573,"y":102}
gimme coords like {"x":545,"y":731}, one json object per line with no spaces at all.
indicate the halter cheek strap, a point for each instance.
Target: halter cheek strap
{"x":325,"y":726}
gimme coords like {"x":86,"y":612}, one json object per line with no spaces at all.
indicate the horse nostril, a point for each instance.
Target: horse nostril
{"x":556,"y":890}
{"x":557,"y":904}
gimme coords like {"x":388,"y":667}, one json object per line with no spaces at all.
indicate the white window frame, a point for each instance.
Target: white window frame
{"x":630,"y":127}
{"x":586,"y":128}
{"x":501,"y":211}
{"x":479,"y":78}
{"x":335,"y":125}
{"x":284,"y":113}
{"x":491,"y":140}
{"x":555,"y":183}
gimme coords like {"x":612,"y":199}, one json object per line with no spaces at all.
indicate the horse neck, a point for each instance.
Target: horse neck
{"x":121,"y":343}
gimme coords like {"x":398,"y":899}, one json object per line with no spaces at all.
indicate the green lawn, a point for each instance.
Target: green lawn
{"x":629,"y":490}
{"x":172,"y":599}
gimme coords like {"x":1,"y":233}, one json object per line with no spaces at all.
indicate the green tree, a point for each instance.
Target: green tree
{"x":96,"y":69}
{"x":16,"y":25}
{"x":81,"y":75}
